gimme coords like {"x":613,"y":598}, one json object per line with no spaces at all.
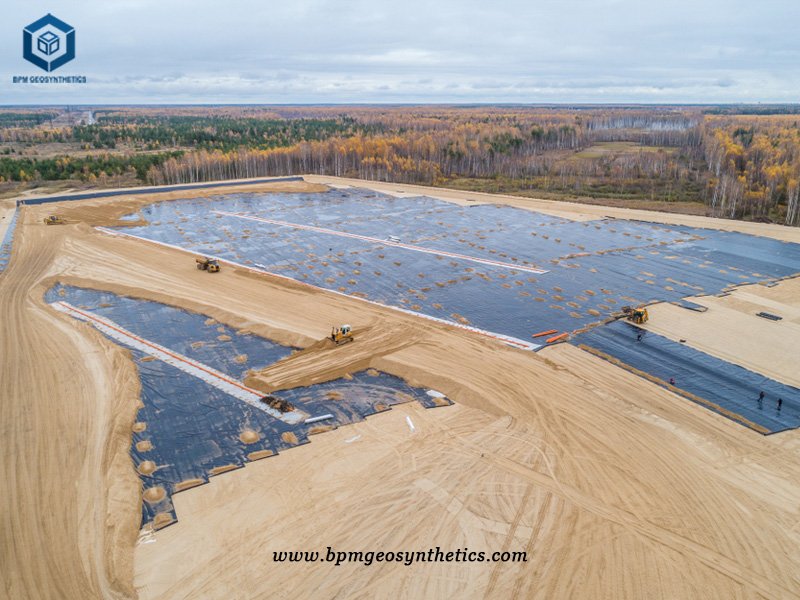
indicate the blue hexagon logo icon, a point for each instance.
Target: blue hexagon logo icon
{"x":54,"y":43}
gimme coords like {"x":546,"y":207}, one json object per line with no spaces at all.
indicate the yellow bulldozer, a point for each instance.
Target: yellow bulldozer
{"x":342,"y":335}
{"x":207,"y":264}
{"x":55,"y":220}
{"x":636,"y":315}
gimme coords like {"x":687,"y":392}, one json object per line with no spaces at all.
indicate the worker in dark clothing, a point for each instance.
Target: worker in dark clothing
{"x":672,"y":381}
{"x":639,"y":338}
{"x":761,"y":400}
{"x":780,"y":403}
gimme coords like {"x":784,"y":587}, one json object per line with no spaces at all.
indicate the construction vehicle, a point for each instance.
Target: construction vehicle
{"x":283,"y":406}
{"x":55,"y":220}
{"x":636,"y":315}
{"x":207,"y":264}
{"x":342,"y":335}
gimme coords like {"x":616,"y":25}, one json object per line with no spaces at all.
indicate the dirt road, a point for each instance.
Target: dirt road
{"x":68,"y":397}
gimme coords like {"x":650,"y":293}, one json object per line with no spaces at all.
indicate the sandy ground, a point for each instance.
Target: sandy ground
{"x":67,"y":402}
{"x":614,"y":486}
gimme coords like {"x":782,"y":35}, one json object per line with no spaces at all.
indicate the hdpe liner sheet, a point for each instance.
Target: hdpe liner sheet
{"x":724,"y":384}
{"x":593,"y":268}
{"x":8,"y":240}
{"x":192,"y":430}
{"x":689,"y":305}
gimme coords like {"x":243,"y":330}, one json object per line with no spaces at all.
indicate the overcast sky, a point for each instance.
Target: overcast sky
{"x":459,"y":51}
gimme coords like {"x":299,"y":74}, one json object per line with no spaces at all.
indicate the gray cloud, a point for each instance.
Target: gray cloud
{"x":138,"y":51}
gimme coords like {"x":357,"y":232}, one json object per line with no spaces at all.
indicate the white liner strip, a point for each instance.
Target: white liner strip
{"x":196,"y":369}
{"x":507,"y":339}
{"x":324,"y":417}
{"x":384,"y":242}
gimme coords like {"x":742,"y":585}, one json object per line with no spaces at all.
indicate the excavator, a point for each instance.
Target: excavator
{"x":342,"y":335}
{"x":636,"y":315}
{"x":55,"y":220}
{"x":207,"y":264}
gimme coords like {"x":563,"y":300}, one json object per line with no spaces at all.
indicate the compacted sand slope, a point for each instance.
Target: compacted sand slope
{"x":614,"y":487}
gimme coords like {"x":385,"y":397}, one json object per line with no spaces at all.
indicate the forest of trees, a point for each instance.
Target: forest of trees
{"x":739,"y":165}
{"x":223,"y":133}
{"x":24,"y":119}
{"x":84,"y":168}
{"x":754,"y":164}
{"x":528,"y":149}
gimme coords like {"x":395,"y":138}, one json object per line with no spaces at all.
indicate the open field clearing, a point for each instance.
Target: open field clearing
{"x":604,"y":148}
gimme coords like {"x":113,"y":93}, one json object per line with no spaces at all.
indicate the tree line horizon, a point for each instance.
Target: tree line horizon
{"x":731,"y":162}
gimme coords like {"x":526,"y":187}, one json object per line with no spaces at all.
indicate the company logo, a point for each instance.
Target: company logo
{"x":48,"y":43}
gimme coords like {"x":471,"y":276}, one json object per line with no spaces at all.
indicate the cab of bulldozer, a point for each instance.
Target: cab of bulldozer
{"x":341,"y":334}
